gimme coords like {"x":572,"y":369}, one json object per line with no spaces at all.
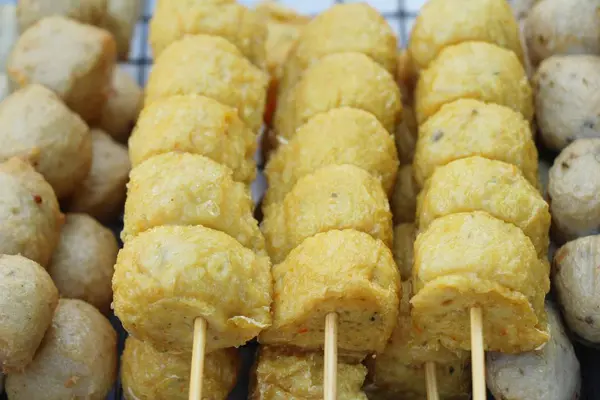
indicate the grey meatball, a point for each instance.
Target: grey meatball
{"x":550,"y":373}
{"x":83,"y":264}
{"x":573,"y":190}
{"x":567,"y":99}
{"x":577,"y":282}
{"x":562,"y":27}
{"x":76,"y":360}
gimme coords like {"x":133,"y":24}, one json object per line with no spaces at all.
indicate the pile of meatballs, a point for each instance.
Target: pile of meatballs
{"x":66,"y":112}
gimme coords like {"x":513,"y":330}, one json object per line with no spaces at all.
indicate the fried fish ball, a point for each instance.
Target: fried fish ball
{"x":285,"y":373}
{"x":122,"y":107}
{"x":404,"y":240}
{"x":406,"y":135}
{"x":567,"y":100}
{"x":284,"y":26}
{"x":74,"y":60}
{"x":83,"y":264}
{"x":333,"y":197}
{"x":338,"y":136}
{"x":9,"y":33}
{"x":90,"y":12}
{"x":498,"y":188}
{"x":575,"y":279}
{"x":467,"y":260}
{"x":404,"y":197}
{"x":340,"y":80}
{"x":202,"y":192}
{"x":557,"y":27}
{"x":212,"y":67}
{"x":343,"y":271}
{"x":551,"y":373}
{"x":399,"y":371}
{"x":27,"y":301}
{"x":474,"y":70}
{"x":121,"y":17}
{"x":342,"y":28}
{"x":36,"y":125}
{"x":148,"y":374}
{"x":573,"y":190}
{"x":468,"y":128}
{"x":102,"y":192}
{"x":234,"y":22}
{"x":443,"y":23}
{"x":77,"y":358}
{"x":168,"y":276}
{"x":198,"y":125}
{"x":30,"y":217}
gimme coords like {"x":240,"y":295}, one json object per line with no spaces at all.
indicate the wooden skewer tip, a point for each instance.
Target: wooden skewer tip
{"x":198,"y":353}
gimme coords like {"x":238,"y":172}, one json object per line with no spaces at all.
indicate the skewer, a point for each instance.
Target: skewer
{"x":431,"y":381}
{"x":477,"y":356}
{"x":198,"y":353}
{"x":330,"y":370}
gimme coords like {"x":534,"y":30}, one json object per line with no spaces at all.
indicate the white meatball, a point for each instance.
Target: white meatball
{"x":76,"y":360}
{"x":577,"y":282}
{"x":573,"y":190}
{"x":551,"y":373}
{"x":562,"y":27}
{"x":122,"y":107}
{"x":567,"y":99}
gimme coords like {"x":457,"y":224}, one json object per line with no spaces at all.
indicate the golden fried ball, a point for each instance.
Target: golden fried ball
{"x":495,"y":187}
{"x":36,"y":125}
{"x":30,"y":217}
{"x":120,"y":20}
{"x":573,"y":190}
{"x":472,"y":259}
{"x":122,"y":107}
{"x":83,"y":264}
{"x":234,"y":22}
{"x":338,"y":136}
{"x":399,"y":371}
{"x":212,"y":67}
{"x":406,"y":134}
{"x":27,"y":301}
{"x":73,"y":59}
{"x":342,"y":28}
{"x":333,"y":197}
{"x":168,"y":276}
{"x":468,"y":128}
{"x":443,"y":23}
{"x":404,"y":197}
{"x":284,"y":26}
{"x":286,"y":373}
{"x":338,"y":80}
{"x":189,"y":189}
{"x":198,"y":125}
{"x":102,"y":192}
{"x":77,"y":358}
{"x":343,"y":271}
{"x":148,"y":374}
{"x":91,"y":12}
{"x":473,"y":70}
{"x":404,"y":240}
